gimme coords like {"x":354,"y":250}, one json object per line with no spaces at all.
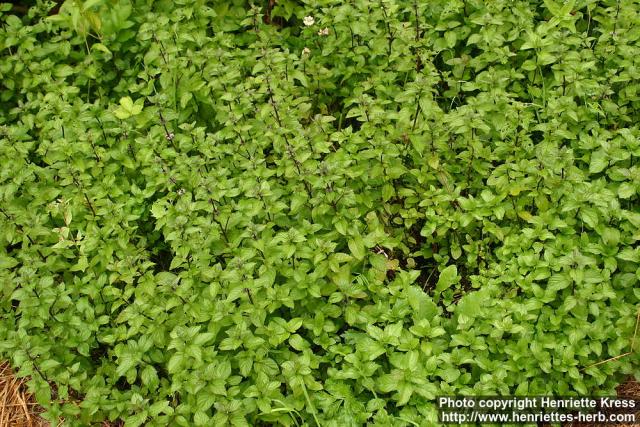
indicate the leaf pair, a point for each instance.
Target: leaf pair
{"x":128,"y":108}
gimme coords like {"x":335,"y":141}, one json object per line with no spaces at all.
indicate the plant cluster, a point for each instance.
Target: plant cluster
{"x":316,"y":212}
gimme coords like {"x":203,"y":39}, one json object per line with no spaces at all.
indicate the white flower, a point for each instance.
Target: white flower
{"x":323,"y":32}
{"x":306,"y":51}
{"x":308,"y":21}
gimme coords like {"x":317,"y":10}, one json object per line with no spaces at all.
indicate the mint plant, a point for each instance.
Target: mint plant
{"x":316,"y":212}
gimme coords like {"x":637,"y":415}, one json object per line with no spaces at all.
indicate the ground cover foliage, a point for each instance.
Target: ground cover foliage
{"x":316,"y":212}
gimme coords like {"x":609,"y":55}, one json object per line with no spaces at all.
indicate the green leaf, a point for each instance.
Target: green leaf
{"x":390,"y":382}
{"x":599,"y":161}
{"x":626,"y":190}
{"x":160,"y":407}
{"x":126,"y":363}
{"x":294,"y":324}
{"x":404,"y":394}
{"x":298,"y":343}
{"x":423,"y":307}
{"x":126,"y":103}
{"x":559,"y":10}
{"x":49,"y":364}
{"x":175,"y":362}
{"x":166,"y":278}
{"x":373,"y":349}
{"x":136,"y":420}
{"x":448,"y":277}
{"x":205,"y":401}
{"x":450,"y":375}
{"x":451,"y":37}
{"x":203,"y":338}
{"x":589,"y":216}
{"x":148,"y":375}
{"x":201,"y":419}
{"x":101,"y":47}
{"x":558,"y":281}
{"x":356,"y":246}
{"x":7,"y":262}
{"x":63,"y":71}
{"x":127,"y":108}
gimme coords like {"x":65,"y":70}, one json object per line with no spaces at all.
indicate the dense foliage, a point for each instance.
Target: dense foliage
{"x":316,"y":211}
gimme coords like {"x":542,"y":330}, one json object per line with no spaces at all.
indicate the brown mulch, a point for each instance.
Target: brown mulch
{"x":629,"y":389}
{"x":18,"y":407}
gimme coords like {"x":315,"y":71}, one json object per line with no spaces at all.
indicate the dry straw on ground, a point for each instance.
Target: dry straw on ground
{"x":17,"y":406}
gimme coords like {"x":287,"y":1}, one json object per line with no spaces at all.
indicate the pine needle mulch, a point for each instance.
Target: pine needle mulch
{"x":18,"y":407}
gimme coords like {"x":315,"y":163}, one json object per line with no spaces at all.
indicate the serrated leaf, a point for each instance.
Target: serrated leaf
{"x":404,"y":394}
{"x":205,"y":401}
{"x":136,"y":420}
{"x":160,"y":407}
{"x":294,"y":324}
{"x":626,"y":190}
{"x":298,"y":343}
{"x":356,"y":246}
{"x":599,"y":162}
{"x":175,"y":362}
{"x":448,"y":277}
{"x":166,"y":278}
{"x":126,"y":103}
{"x":148,"y":375}
{"x":49,"y":364}
{"x":203,"y":338}
{"x":589,"y":216}
{"x":7,"y":262}
{"x":201,"y":419}
{"x":125,"y":364}
{"x":390,"y":382}
{"x":558,"y":281}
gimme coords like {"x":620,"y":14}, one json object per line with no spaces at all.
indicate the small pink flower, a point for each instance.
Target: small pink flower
{"x":323,"y":32}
